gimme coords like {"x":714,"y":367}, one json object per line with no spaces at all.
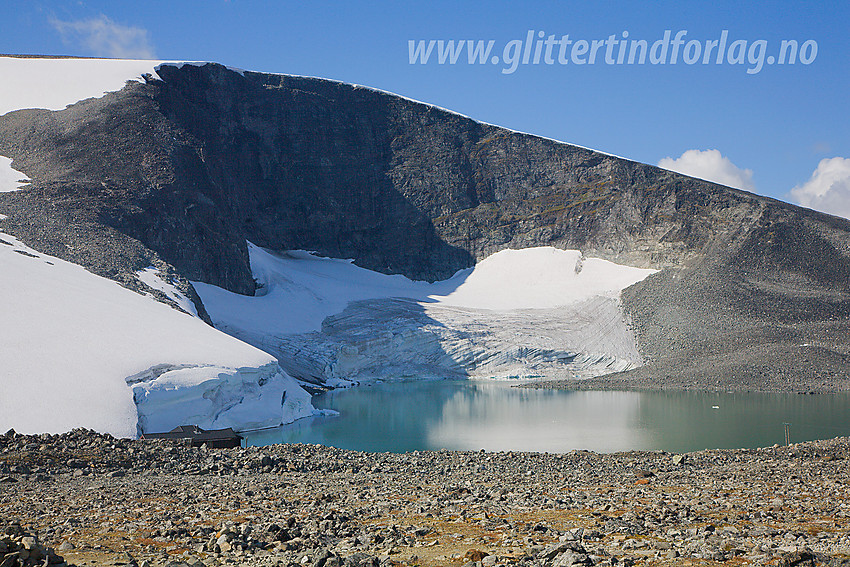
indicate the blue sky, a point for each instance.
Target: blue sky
{"x":787,"y":124}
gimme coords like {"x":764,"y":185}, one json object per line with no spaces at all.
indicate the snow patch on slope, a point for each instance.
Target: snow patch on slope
{"x":69,"y":339}
{"x":538,"y":278}
{"x":150,"y":277}
{"x":10,"y":179}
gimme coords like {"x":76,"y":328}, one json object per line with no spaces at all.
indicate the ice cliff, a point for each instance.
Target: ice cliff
{"x":77,"y":350}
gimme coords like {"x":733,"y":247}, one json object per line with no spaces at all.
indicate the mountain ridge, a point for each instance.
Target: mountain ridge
{"x":180,"y":171}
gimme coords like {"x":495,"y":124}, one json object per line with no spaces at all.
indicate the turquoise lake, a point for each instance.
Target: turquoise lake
{"x":492,"y":415}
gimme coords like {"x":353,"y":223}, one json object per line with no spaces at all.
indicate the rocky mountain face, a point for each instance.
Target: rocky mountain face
{"x":180,"y":171}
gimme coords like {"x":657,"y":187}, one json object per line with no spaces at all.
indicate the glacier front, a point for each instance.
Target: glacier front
{"x":536,"y":312}
{"x":79,"y":350}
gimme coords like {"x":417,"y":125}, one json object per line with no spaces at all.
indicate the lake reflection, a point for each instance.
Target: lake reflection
{"x":474,"y":414}
{"x":497,"y":418}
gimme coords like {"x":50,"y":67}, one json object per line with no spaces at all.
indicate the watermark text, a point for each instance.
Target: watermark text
{"x":540,"y":48}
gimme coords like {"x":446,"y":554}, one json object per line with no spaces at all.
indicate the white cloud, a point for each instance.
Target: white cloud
{"x":104,"y":38}
{"x":710,"y":165}
{"x":828,"y":190}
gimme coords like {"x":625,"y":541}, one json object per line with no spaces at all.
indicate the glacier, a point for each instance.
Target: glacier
{"x":79,"y":350}
{"x":216,"y":397}
{"x":536,"y":312}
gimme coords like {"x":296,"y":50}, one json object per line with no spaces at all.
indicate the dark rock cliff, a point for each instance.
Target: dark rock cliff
{"x":181,"y":171}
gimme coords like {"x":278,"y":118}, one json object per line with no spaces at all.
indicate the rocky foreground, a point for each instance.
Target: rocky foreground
{"x":88,"y":499}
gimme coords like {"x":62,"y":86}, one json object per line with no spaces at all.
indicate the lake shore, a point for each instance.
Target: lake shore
{"x":653,"y":379}
{"x":97,"y":500}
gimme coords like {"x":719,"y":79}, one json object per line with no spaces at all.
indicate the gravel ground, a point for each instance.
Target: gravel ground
{"x":814,"y":370}
{"x":96,"y":500}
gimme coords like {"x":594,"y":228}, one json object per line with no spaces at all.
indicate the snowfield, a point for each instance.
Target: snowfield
{"x":78,"y":350}
{"x":10,"y":179}
{"x":55,"y":83}
{"x":537,"y":278}
{"x":519,"y":313}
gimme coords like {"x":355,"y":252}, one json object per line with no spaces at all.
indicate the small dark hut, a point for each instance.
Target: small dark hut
{"x":195,"y":436}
